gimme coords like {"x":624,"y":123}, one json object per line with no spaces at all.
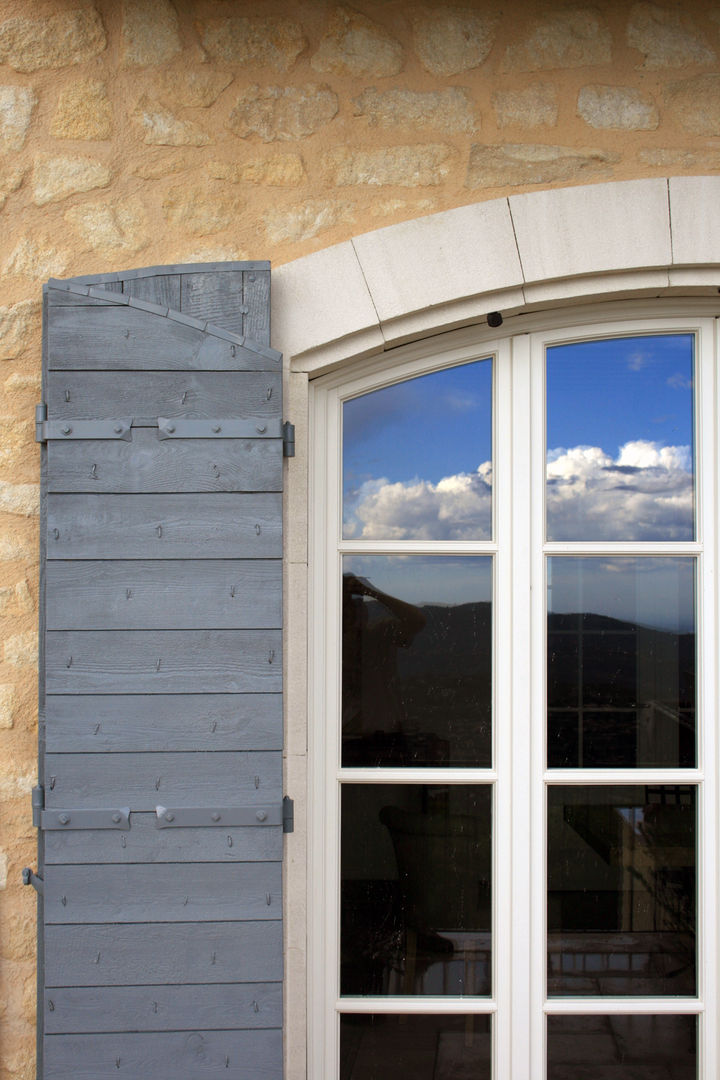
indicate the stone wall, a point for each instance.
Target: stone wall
{"x":144,"y":131}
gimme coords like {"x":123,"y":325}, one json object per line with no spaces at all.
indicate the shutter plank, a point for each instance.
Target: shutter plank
{"x":101,"y":723}
{"x":166,"y":893}
{"x":256,"y":297}
{"x":185,"y":594}
{"x":231,"y":1055}
{"x":144,"y":843}
{"x":165,"y":526}
{"x":143,"y":781}
{"x":215,"y":297}
{"x":148,"y":464}
{"x":164,"y":661}
{"x":162,"y":289}
{"x":141,"y":954}
{"x":165,"y":1008}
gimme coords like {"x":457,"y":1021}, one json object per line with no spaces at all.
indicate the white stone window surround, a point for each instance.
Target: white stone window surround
{"x":541,"y":258}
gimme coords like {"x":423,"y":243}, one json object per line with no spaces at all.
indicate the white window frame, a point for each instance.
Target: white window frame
{"x":518,"y":773}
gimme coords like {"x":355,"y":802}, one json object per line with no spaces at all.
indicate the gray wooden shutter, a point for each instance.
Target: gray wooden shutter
{"x":160,"y":802}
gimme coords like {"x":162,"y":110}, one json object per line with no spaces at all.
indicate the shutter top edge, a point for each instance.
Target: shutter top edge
{"x":125,"y":300}
{"x":172,"y":268}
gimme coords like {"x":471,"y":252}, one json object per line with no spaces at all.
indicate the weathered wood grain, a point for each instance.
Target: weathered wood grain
{"x":140,"y":954}
{"x":147,"y":464}
{"x":102,"y":723}
{"x":194,"y":394}
{"x":233,"y":1006}
{"x":256,"y":297}
{"x":216,"y":297}
{"x":173,"y":892}
{"x":144,"y":843}
{"x":173,"y":594}
{"x":229,"y":1055}
{"x":144,"y":781}
{"x":212,"y":525}
{"x":163,"y":662}
{"x":162,"y":289}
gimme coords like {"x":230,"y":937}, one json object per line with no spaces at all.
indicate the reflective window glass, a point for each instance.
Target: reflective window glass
{"x":622,"y":1047}
{"x":417,"y":458}
{"x":416,"y":661}
{"x":620,"y":439}
{"x":387,"y":1046}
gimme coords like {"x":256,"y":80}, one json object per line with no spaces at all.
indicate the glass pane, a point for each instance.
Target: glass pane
{"x":622,"y":1048}
{"x":417,"y":458}
{"x":621,"y":663}
{"x":621,"y":890}
{"x":388,"y":1047}
{"x":620,"y":439}
{"x":416,"y":889}
{"x":417,"y":659}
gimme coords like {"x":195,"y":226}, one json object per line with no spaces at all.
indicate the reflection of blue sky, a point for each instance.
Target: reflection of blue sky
{"x":656,"y":593}
{"x":425,"y":579}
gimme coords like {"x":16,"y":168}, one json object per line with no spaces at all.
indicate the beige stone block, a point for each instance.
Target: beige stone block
{"x":695,"y":217}
{"x":83,"y":111}
{"x":7,"y":705}
{"x":295,"y":1014}
{"x":695,"y":104}
{"x":451,"y":40}
{"x":295,"y":649}
{"x":24,"y":598}
{"x":36,"y":259}
{"x":16,"y":548}
{"x":192,"y":208}
{"x":11,"y":177}
{"x":3,"y":868}
{"x":52,"y":41}
{"x":20,"y":498}
{"x":356,"y":45}
{"x":22,"y":381}
{"x":667,"y":36}
{"x":302,"y":222}
{"x":155,"y":165}
{"x":449,"y":109}
{"x":19,"y":936}
{"x":121,"y":226}
{"x":425,"y":165}
{"x":276,"y":112}
{"x":16,"y":108}
{"x":532,"y":106}
{"x":295,"y":549}
{"x":18,"y":325}
{"x":408,"y":207}
{"x":512,"y":165}
{"x":277,"y":170}
{"x":572,"y":38}
{"x":150,"y":33}
{"x":21,"y":650}
{"x":671,"y":158}
{"x":273,"y":42}
{"x":161,"y":127}
{"x":16,"y":443}
{"x":55,"y":178}
{"x":619,"y":107}
{"x":197,"y":87}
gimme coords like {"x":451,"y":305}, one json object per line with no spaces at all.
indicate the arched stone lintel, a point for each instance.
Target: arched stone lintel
{"x":522,"y":253}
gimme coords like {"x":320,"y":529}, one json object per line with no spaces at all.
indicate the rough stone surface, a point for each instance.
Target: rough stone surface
{"x":355,"y":45}
{"x":55,"y":178}
{"x":83,"y":111}
{"x":451,"y":40}
{"x":54,"y":41}
{"x":198,"y":212}
{"x":532,"y":106}
{"x":162,"y":128}
{"x":155,"y":167}
{"x":403,"y":166}
{"x":667,"y":37}
{"x":671,"y":158}
{"x":20,"y":498}
{"x":305,"y":221}
{"x":18,"y":324}
{"x":150,"y":33}
{"x":7,"y":709}
{"x":197,"y":88}
{"x":620,"y":107}
{"x":695,"y":104}
{"x":278,"y":170}
{"x":274,"y":112}
{"x":518,"y":165}
{"x":16,"y":437}
{"x":11,"y":177}
{"x":241,"y":40}
{"x":16,"y":107}
{"x":3,"y":856}
{"x":36,"y":258}
{"x":574,"y":38}
{"x":450,"y":109}
{"x":111,"y":226}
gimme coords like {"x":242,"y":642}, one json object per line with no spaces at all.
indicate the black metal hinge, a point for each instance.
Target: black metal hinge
{"x":29,"y":877}
{"x":288,"y":814}
{"x":114,"y":817}
{"x":288,"y":439}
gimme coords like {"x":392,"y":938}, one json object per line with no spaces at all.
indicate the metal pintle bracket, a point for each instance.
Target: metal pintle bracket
{"x":288,"y":814}
{"x":29,"y":877}
{"x":105,"y":818}
{"x":288,"y":439}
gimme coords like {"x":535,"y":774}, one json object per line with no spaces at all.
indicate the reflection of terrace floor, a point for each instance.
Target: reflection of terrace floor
{"x":616,"y":964}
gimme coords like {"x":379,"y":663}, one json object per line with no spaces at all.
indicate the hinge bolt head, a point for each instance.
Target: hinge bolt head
{"x":170,"y":428}
{"x":215,"y":816}
{"x":64,"y":819}
{"x":169,"y":816}
{"x":117,"y":818}
{"x":67,"y":430}
{"x":261,"y":815}
{"x":118,"y":429}
{"x":217,"y":429}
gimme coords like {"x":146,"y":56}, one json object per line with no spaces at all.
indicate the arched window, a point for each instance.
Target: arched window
{"x":514,"y":670}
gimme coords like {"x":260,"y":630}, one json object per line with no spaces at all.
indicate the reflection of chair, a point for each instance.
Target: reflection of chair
{"x":444,"y":866}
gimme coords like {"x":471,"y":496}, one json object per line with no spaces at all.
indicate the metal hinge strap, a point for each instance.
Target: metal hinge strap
{"x":113,"y":818}
{"x":288,"y":439}
{"x":118,"y":428}
{"x":194,"y":817}
{"x":177,"y":427}
{"x":288,"y":814}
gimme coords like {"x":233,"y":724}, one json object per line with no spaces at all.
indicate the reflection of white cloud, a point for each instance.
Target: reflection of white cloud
{"x":645,"y":493}
{"x":678,"y":381}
